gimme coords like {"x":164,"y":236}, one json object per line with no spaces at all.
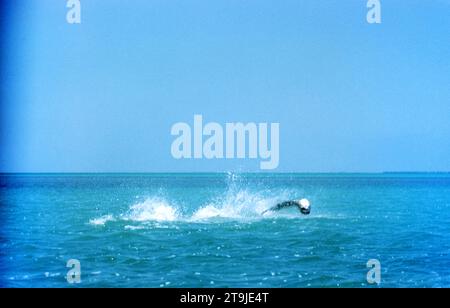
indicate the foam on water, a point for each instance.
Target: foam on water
{"x":101,"y":221}
{"x":129,"y":227}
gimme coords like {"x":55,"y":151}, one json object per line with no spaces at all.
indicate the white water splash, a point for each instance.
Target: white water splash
{"x":235,"y":205}
{"x":152,"y":209}
{"x":239,"y":205}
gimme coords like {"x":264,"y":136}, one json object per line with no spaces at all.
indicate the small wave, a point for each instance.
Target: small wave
{"x":128,"y":227}
{"x":101,"y":221}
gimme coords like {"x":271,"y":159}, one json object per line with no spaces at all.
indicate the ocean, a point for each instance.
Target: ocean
{"x":207,"y":230}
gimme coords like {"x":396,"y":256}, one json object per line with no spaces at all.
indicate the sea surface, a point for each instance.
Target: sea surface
{"x":207,"y":230}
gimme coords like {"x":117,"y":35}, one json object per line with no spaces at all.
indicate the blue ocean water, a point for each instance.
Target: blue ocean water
{"x":207,"y":230}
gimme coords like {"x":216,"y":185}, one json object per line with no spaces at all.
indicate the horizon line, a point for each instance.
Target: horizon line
{"x":226,"y":172}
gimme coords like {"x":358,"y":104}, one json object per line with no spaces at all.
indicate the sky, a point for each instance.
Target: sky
{"x":101,"y":96}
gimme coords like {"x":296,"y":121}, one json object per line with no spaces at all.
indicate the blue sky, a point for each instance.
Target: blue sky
{"x":102,"y":96}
